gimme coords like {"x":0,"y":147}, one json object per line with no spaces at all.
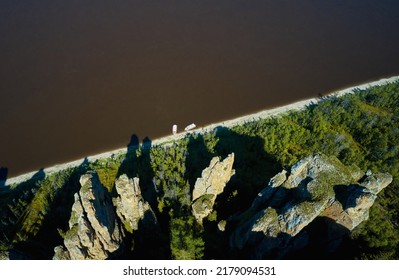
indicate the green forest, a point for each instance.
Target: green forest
{"x":359,"y":129}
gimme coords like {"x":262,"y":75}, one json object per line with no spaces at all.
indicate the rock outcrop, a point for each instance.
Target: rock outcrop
{"x":94,"y":230}
{"x":317,"y":186}
{"x":354,"y":203}
{"x":130,"y":205}
{"x":211,"y":183}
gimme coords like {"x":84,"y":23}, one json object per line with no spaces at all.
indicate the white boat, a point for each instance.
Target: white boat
{"x":174,"y":129}
{"x":189,"y":127}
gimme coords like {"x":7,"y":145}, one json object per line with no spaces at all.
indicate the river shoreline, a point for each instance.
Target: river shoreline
{"x":228,"y":123}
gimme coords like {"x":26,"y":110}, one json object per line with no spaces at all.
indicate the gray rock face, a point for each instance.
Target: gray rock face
{"x":374,"y":183}
{"x":130,"y":205}
{"x":354,"y":207}
{"x":4,"y":255}
{"x":212,"y":182}
{"x":222,"y":225}
{"x":267,"y":192}
{"x":60,"y":253}
{"x":94,"y":231}
{"x":318,"y":186}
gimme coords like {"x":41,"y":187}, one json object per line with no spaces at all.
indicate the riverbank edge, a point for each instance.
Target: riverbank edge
{"x":278,"y":111}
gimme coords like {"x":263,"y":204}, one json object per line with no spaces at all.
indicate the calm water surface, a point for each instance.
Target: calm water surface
{"x":80,"y":77}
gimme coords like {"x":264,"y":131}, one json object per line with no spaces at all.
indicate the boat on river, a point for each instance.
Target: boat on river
{"x":190,"y":127}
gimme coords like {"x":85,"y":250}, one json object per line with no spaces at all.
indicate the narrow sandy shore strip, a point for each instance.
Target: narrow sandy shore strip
{"x":229,"y":123}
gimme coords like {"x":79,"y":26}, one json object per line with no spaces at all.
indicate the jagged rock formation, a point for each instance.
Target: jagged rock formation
{"x":353,"y":207}
{"x":317,"y":186}
{"x":94,"y":230}
{"x":211,"y":183}
{"x":94,"y":224}
{"x":130,"y":205}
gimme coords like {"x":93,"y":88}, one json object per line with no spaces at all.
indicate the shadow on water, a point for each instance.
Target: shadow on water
{"x":129,"y":164}
{"x":3,"y":176}
{"x":26,"y":188}
{"x":38,"y":176}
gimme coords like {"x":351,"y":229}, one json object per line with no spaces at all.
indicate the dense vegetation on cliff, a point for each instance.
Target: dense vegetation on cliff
{"x":359,"y":129}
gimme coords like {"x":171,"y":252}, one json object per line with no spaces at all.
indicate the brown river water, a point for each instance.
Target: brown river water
{"x":80,"y":77}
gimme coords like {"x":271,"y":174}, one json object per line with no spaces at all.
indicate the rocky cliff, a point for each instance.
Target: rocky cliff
{"x":94,"y":230}
{"x":283,"y":220}
{"x":211,"y":183}
{"x":317,"y":186}
{"x":130,"y":205}
{"x":98,"y":223}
